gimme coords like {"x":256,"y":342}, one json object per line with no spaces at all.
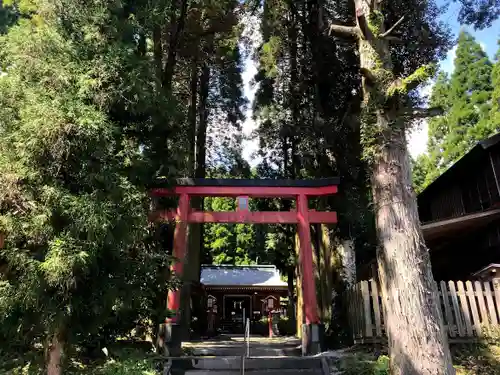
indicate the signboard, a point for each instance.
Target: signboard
{"x":242,"y":203}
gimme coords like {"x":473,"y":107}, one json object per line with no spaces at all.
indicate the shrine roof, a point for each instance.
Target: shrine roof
{"x":228,"y":275}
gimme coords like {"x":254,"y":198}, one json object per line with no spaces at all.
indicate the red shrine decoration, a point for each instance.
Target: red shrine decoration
{"x":242,"y":190}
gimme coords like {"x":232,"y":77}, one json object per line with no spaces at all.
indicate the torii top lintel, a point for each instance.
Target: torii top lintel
{"x":254,"y":188}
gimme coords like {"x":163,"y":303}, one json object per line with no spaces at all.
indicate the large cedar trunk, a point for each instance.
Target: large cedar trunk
{"x":193,"y":233}
{"x":176,"y":28}
{"x":417,"y":340}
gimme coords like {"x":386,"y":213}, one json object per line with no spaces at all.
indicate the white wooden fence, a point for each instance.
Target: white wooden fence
{"x":466,"y":308}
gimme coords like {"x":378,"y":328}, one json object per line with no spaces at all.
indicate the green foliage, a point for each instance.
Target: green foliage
{"x":375,"y":22}
{"x":467,"y":98}
{"x":237,"y":244}
{"x":89,"y":120}
{"x":364,"y":364}
{"x":123,"y":361}
{"x":479,"y":13}
{"x":127,"y":366}
{"x":421,"y":168}
{"x":286,"y":327}
{"x":78,"y":258}
{"x":269,"y":53}
{"x":228,"y":243}
{"x":495,"y":96}
{"x":476,"y":358}
{"x":307,"y":119}
{"x":419,"y":76}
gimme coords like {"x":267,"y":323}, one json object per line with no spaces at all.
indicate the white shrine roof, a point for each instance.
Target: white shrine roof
{"x":225,"y":275}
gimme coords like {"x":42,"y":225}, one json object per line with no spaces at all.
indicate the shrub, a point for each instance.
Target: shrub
{"x":286,"y":327}
{"x":364,"y":364}
{"x":477,"y":358}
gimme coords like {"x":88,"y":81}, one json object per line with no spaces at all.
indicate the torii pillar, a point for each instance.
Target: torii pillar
{"x":311,"y":328}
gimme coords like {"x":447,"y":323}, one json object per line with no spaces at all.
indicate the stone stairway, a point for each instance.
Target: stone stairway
{"x":223,"y":356}
{"x":252,"y":365}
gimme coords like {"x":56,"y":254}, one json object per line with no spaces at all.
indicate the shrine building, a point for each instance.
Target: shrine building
{"x":235,"y":293}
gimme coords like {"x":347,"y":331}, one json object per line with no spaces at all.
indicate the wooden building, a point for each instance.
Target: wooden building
{"x":460,"y":215}
{"x":234,"y":293}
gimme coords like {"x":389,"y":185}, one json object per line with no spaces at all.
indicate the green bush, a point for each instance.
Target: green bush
{"x":126,"y":367}
{"x":476,"y":359}
{"x":286,"y":327}
{"x":260,"y":327}
{"x":364,"y":364}
{"x":123,"y":361}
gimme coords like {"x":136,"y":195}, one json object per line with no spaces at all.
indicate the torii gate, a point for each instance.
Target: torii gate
{"x":242,"y":189}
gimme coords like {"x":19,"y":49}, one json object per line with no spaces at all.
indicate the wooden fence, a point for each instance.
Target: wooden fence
{"x":466,"y":308}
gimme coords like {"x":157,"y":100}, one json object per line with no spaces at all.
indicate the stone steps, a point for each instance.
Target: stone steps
{"x":253,"y":372}
{"x":252,"y":365}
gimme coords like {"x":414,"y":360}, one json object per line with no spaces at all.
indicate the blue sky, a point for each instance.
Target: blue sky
{"x":417,"y":140}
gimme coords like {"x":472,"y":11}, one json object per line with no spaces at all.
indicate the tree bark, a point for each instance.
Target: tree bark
{"x":191,"y":270}
{"x":417,"y":341}
{"x":197,"y":165}
{"x":176,"y":29}
{"x":158,"y":52}
{"x":319,"y":269}
{"x":192,"y":115}
{"x":201,"y":130}
{"x":326,"y":270}
{"x":54,"y":355}
{"x":347,"y":260}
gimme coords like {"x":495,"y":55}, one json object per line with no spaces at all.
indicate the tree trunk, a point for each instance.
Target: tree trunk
{"x":319,"y":269}
{"x":191,"y":116}
{"x":192,"y":269}
{"x":417,"y":341}
{"x":201,"y":130}
{"x":54,"y":355}
{"x":158,"y":52}
{"x":326,"y":270}
{"x":175,"y":32}
{"x":347,"y":260}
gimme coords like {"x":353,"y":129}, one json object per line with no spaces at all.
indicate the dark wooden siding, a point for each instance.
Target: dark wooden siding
{"x":470,"y":188}
{"x":447,"y":203}
{"x":459,"y":257}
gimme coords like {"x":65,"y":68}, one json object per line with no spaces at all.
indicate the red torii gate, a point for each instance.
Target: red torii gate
{"x":242,"y":189}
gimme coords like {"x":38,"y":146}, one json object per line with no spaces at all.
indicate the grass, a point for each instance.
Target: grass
{"x":476,"y":359}
{"x":468,"y":359}
{"x":364,"y":364}
{"x":122,"y":361}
